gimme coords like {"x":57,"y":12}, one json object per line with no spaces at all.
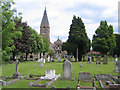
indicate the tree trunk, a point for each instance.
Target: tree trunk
{"x":13,"y":56}
{"x":26,"y":56}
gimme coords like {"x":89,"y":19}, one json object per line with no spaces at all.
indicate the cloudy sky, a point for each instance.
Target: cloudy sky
{"x":60,"y":14}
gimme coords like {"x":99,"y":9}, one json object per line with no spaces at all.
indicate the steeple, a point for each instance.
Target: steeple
{"x":44,"y":27}
{"x":45,"y":21}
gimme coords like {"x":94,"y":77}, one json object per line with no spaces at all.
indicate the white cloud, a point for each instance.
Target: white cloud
{"x":60,"y":18}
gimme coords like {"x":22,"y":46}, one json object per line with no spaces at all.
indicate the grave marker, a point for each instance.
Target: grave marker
{"x":67,"y":70}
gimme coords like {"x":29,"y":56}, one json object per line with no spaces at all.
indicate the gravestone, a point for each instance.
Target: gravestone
{"x":67,"y":70}
{"x":49,"y":74}
{"x":90,"y":60}
{"x":98,"y":60}
{"x":41,"y":62}
{"x":103,"y":76}
{"x":48,"y":58}
{"x":17,"y":74}
{"x":80,"y":64}
{"x":59,"y":59}
{"x":83,"y":76}
{"x":105,"y":61}
{"x":117,"y":66}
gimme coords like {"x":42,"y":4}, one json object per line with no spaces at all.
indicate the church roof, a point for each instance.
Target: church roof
{"x":45,"y":19}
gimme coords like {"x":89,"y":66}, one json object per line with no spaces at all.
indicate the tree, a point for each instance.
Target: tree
{"x":8,"y":29}
{"x":45,"y":45}
{"x":24,"y":44}
{"x":116,"y":50}
{"x":37,"y":45}
{"x":103,"y":39}
{"x":70,"y":48}
{"x":78,"y":36}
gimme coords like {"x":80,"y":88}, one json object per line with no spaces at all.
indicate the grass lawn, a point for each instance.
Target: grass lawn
{"x":31,"y":67}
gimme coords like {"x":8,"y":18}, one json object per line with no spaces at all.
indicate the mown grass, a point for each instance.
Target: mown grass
{"x":31,"y":67}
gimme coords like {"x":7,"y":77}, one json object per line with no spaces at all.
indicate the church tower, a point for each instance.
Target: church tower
{"x":44,"y":27}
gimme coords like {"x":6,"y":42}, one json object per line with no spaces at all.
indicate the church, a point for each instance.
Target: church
{"x":45,"y":32}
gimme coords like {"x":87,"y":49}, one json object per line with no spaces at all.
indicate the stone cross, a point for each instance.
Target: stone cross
{"x":17,"y":62}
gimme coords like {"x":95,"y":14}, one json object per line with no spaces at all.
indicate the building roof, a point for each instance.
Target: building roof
{"x":45,"y":21}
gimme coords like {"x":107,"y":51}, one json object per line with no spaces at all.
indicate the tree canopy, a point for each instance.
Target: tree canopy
{"x":78,"y":37}
{"x":103,"y":39}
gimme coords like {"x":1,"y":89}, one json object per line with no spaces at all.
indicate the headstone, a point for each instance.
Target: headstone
{"x":116,"y":59}
{"x":67,"y":70}
{"x":98,"y":60}
{"x":41,"y":62}
{"x":48,"y":58}
{"x":90,"y":60}
{"x":72,"y":57}
{"x":103,"y":77}
{"x":49,"y":74}
{"x":117,"y":66}
{"x":105,"y":61}
{"x":59,"y":59}
{"x":97,"y":63}
{"x":83,"y":76}
{"x":80,"y":64}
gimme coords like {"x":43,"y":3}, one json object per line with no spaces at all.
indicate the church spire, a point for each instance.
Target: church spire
{"x":45,"y":21}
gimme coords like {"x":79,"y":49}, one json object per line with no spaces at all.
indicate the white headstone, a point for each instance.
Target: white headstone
{"x":80,"y":64}
{"x":48,"y":58}
{"x":41,"y":62}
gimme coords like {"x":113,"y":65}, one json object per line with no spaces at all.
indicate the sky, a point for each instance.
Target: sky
{"x":60,"y":14}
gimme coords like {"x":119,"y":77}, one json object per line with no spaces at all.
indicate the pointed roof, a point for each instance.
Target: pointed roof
{"x":45,"y":19}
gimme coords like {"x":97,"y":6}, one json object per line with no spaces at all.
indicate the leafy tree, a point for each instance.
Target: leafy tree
{"x":116,"y":50}
{"x":70,"y":48}
{"x":24,"y":44}
{"x":78,"y":36}
{"x":45,"y":45}
{"x":37,"y":45}
{"x":8,"y":29}
{"x":103,"y":39}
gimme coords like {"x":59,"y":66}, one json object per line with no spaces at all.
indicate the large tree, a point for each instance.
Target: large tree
{"x":37,"y":45}
{"x":78,"y":36}
{"x":8,"y":29}
{"x":24,"y":43}
{"x":70,"y":48}
{"x":116,"y":50}
{"x":103,"y":39}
